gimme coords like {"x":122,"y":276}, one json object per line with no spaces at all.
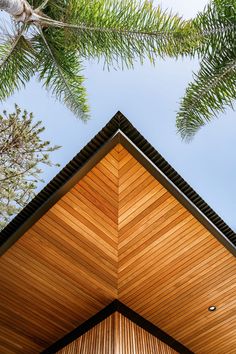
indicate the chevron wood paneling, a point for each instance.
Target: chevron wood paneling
{"x":118,"y":233}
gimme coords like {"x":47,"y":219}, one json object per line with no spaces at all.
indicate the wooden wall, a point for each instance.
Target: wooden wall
{"x":117,"y":335}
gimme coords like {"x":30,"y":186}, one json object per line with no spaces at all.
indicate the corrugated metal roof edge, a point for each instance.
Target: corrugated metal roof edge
{"x":118,"y":122}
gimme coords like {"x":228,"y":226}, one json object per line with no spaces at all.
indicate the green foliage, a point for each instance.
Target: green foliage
{"x":17,"y":62}
{"x":65,"y":32}
{"x":22,"y":151}
{"x":35,"y":3}
{"x":214,"y":87}
{"x":217,"y":25}
{"x":121,"y":32}
{"x":59,"y":69}
{"x":212,"y":90}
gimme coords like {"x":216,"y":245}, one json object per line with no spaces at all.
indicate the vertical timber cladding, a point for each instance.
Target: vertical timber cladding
{"x":117,"y":335}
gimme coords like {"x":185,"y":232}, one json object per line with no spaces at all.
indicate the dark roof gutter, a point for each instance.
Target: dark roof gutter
{"x":118,"y":130}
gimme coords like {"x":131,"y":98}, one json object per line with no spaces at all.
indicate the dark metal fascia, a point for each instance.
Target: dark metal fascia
{"x":151,"y":328}
{"x":82,"y":329}
{"x":177,"y":193}
{"x":54,"y":191}
{"x":150,"y":152}
{"x":117,"y":306}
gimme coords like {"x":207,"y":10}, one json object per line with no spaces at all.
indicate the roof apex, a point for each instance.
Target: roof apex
{"x":97,"y":148}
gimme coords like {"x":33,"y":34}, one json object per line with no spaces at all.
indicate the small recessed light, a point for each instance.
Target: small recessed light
{"x":211,"y":308}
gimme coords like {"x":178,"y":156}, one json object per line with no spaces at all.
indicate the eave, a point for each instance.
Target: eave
{"x":118,"y":130}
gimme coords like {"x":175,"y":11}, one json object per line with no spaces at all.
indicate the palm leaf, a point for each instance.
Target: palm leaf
{"x":216,"y":26}
{"x":58,"y":69}
{"x":17,"y":62}
{"x":211,"y":92}
{"x":121,"y":32}
{"x":214,"y":88}
{"x":36,"y":3}
{"x":53,"y":9}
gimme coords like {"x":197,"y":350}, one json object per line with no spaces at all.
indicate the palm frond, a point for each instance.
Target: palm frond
{"x":35,"y":3}
{"x":43,"y":5}
{"x":211,"y":92}
{"x":17,"y":62}
{"x":214,"y":87}
{"x":216,"y":26}
{"x":58,"y":69}
{"x":53,"y":9}
{"x":121,"y":32}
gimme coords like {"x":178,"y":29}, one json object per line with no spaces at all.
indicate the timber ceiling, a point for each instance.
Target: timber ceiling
{"x":118,"y":234}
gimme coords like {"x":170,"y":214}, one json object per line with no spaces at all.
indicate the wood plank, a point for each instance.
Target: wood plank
{"x":117,"y":335}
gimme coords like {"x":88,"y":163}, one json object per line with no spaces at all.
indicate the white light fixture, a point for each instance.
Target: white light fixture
{"x":212,"y":308}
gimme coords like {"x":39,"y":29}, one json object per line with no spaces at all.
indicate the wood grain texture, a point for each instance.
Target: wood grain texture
{"x":64,"y":269}
{"x":117,"y":335}
{"x":171,"y":268}
{"x":117,"y":234}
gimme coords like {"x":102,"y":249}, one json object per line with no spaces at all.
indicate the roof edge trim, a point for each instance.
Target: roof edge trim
{"x":178,"y":194}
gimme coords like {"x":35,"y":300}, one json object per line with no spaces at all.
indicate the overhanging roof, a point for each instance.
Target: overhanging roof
{"x":119,"y":129}
{"x":117,"y":223}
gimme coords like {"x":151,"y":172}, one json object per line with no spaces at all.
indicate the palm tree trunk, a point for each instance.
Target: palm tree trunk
{"x":19,"y":9}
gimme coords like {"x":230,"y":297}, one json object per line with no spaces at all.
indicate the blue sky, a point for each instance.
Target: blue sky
{"x":149,"y":98}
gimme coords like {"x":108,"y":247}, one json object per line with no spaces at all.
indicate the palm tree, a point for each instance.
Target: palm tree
{"x":214,"y":87}
{"x":50,"y":39}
